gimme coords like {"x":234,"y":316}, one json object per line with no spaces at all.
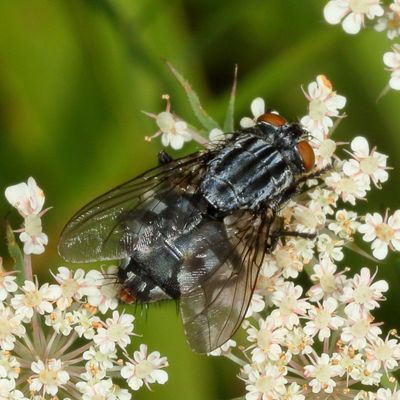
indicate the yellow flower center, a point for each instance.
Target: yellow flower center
{"x":359,"y":6}
{"x":5,"y":328}
{"x":69,"y":287}
{"x":265,"y":384}
{"x":263,"y":339}
{"x":33,"y":225}
{"x":48,"y":377}
{"x":384,"y":232}
{"x":317,"y":109}
{"x":144,"y":369}
{"x":369,"y":165}
{"x":32,"y":299}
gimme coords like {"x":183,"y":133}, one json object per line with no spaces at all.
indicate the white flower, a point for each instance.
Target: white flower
{"x":353,"y":13}
{"x":8,"y":392}
{"x":359,"y":331}
{"x":73,"y":285}
{"x":387,"y":394}
{"x":32,"y":236}
{"x":349,"y":188}
{"x":390,"y":23}
{"x":102,"y":390}
{"x":174,"y":131}
{"x":35,"y":299}
{"x":294,"y":392}
{"x":290,"y":305}
{"x":264,"y":382}
{"x":27,"y":198}
{"x":60,"y":321}
{"x":86,"y":323}
{"x":104,"y":360}
{"x":10,"y":368}
{"x":372,"y":164}
{"x":287,"y":260}
{"x":257,"y":109}
{"x":257,"y":304}
{"x":7,"y":283}
{"x":323,"y":319}
{"x":325,"y":198}
{"x":298,"y":342}
{"x":103,"y":294}
{"x":324,"y":104}
{"x":117,"y":330}
{"x":345,"y":224}
{"x":322,"y":371}
{"x":329,"y":247}
{"x":10,"y":327}
{"x":384,"y":233}
{"x":392,"y":61}
{"x":216,"y":135}
{"x":395,"y":6}
{"x":383,"y":353}
{"x":224,"y":349}
{"x":309,"y":218}
{"x":145,"y":369}
{"x":266,"y":339}
{"x":48,"y":377}
{"x":328,"y":282}
{"x":324,"y":150}
{"x":363,"y":295}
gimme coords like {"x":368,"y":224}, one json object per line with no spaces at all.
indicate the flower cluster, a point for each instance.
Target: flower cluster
{"x":56,"y":340}
{"x":66,"y":340}
{"x":353,"y":14}
{"x":322,"y":342}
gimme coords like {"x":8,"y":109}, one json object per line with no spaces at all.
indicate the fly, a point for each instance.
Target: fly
{"x":197,"y":229}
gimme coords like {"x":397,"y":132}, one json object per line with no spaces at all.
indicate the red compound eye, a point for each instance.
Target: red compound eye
{"x":273,"y":119}
{"x":307,"y":154}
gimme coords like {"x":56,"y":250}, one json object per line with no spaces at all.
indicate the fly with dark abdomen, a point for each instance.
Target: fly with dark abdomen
{"x":197,"y":229}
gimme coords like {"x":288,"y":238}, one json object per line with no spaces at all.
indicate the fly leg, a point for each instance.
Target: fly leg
{"x":164,"y":157}
{"x":274,"y":237}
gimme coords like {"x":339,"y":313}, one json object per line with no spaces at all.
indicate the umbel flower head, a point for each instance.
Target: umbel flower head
{"x":68,"y":340}
{"x":322,"y":341}
{"x":55,"y":343}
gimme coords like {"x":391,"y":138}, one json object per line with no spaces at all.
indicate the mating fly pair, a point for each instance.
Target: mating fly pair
{"x":197,"y":228}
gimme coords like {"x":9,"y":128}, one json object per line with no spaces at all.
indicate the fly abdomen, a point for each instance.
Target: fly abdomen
{"x":181,"y":245}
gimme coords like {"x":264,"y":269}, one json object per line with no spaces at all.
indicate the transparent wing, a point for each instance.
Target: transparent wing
{"x":97,"y":231}
{"x":214,"y":304}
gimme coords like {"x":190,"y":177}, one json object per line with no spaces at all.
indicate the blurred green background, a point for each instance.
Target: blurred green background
{"x":75,"y":75}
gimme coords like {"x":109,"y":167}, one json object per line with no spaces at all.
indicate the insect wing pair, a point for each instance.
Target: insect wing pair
{"x":174,"y":247}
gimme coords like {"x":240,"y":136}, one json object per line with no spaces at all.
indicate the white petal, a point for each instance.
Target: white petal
{"x":17,"y":193}
{"x":351,"y":167}
{"x":335,"y":11}
{"x":391,"y":59}
{"x":257,"y":107}
{"x":160,"y":376}
{"x":360,"y":146}
{"x":380,"y":249}
{"x":394,"y":83}
{"x":352,"y":23}
{"x":335,"y":102}
{"x":246,"y":122}
{"x":165,"y":138}
{"x":166,"y":122}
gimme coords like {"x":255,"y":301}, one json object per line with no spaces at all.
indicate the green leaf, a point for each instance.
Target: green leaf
{"x":198,"y":110}
{"x":15,"y":253}
{"x":230,"y":112}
